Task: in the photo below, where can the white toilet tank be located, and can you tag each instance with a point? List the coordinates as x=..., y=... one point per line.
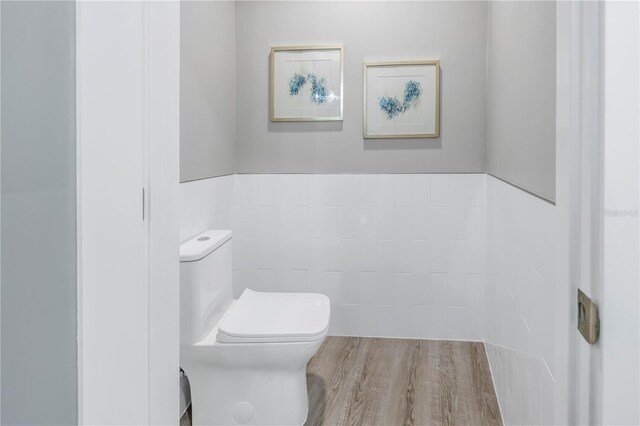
x=206, y=283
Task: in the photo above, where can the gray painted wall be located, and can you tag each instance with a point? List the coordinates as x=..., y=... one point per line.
x=454, y=32
x=39, y=362
x=207, y=89
x=521, y=97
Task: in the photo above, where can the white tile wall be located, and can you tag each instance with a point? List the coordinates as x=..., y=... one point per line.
x=205, y=204
x=519, y=315
x=399, y=255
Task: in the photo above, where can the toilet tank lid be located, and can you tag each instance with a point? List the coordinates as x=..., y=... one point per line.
x=201, y=245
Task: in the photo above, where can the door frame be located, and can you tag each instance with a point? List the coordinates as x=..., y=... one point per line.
x=619, y=390
x=576, y=39
x=597, y=174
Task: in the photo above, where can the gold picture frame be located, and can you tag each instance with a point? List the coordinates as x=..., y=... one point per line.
x=393, y=108
x=318, y=97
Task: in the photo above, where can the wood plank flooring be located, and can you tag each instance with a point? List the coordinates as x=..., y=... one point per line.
x=388, y=382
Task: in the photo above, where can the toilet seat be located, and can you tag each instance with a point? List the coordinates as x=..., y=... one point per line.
x=260, y=317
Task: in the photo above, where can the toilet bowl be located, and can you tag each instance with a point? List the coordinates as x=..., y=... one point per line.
x=246, y=358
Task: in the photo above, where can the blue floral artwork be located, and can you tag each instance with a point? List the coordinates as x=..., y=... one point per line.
x=296, y=83
x=392, y=106
x=318, y=87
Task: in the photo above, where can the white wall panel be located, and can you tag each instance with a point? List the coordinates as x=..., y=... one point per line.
x=519, y=300
x=205, y=204
x=38, y=199
x=399, y=255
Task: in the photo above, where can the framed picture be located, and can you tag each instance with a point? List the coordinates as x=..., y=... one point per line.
x=306, y=83
x=402, y=100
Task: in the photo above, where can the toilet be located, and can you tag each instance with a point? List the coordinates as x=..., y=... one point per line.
x=246, y=359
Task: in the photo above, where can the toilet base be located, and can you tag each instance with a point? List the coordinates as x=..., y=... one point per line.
x=253, y=384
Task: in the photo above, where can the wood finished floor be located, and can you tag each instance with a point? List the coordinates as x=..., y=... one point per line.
x=370, y=381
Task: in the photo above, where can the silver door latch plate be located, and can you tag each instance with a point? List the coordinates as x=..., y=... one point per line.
x=588, y=321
